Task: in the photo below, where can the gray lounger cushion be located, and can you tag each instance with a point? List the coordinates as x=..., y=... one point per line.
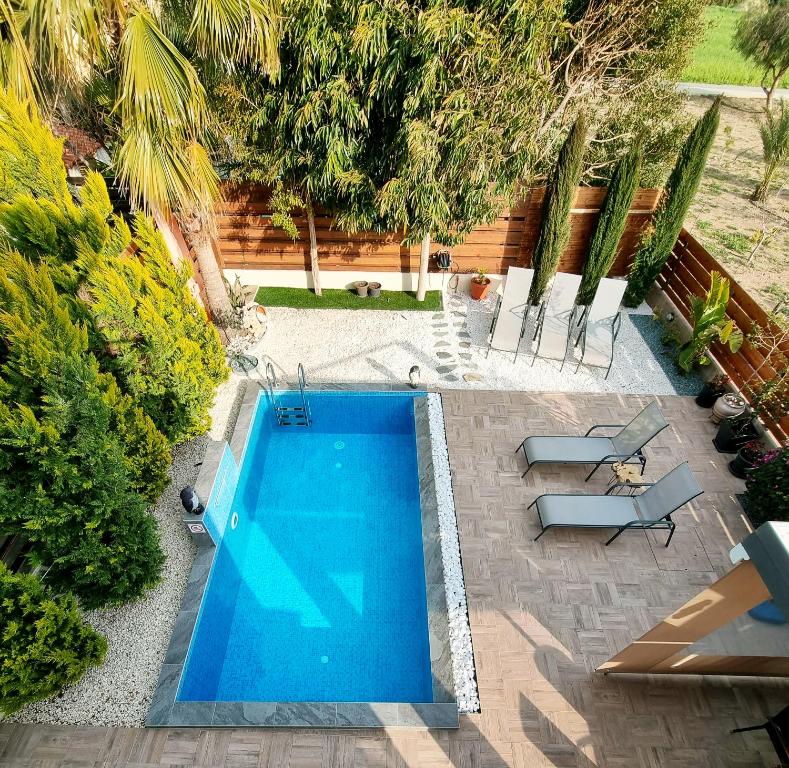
x=569, y=449
x=587, y=511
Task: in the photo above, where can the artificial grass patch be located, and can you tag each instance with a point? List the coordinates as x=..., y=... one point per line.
x=341, y=298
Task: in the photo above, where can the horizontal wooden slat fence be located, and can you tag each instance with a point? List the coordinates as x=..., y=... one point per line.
x=688, y=272
x=248, y=240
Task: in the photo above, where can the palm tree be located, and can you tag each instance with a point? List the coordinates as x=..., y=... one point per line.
x=774, y=130
x=138, y=66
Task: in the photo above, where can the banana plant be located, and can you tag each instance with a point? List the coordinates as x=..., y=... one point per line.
x=710, y=324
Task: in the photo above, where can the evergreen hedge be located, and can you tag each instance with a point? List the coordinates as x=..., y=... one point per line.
x=555, y=229
x=44, y=642
x=78, y=461
x=611, y=224
x=667, y=223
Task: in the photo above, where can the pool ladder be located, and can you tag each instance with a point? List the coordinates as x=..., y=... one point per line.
x=289, y=415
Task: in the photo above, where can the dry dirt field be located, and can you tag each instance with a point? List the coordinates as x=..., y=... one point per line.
x=724, y=219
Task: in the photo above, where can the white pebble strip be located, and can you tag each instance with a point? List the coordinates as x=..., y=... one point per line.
x=459, y=629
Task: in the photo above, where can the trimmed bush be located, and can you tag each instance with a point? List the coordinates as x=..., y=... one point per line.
x=667, y=223
x=45, y=644
x=767, y=488
x=555, y=229
x=611, y=224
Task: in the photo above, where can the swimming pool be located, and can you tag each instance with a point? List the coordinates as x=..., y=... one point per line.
x=317, y=592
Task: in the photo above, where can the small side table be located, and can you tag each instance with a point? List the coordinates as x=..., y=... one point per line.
x=624, y=474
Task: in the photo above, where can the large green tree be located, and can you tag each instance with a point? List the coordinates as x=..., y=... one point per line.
x=611, y=224
x=559, y=197
x=425, y=116
x=679, y=192
x=763, y=38
x=136, y=72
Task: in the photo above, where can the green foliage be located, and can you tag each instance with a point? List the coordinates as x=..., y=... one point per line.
x=31, y=158
x=767, y=488
x=77, y=459
x=152, y=336
x=611, y=224
x=715, y=56
x=144, y=325
x=45, y=644
x=559, y=196
x=763, y=38
x=667, y=223
x=774, y=132
x=710, y=324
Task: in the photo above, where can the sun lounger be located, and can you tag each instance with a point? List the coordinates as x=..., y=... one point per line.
x=650, y=509
x=556, y=317
x=512, y=307
x=601, y=327
x=626, y=445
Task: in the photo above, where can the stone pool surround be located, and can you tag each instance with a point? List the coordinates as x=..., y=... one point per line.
x=441, y=713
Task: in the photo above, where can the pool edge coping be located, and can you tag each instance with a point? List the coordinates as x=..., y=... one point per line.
x=164, y=710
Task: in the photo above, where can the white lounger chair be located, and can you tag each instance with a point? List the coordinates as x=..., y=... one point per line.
x=512, y=309
x=601, y=327
x=651, y=509
x=556, y=317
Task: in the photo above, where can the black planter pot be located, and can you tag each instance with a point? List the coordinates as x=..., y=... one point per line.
x=741, y=465
x=707, y=397
x=733, y=434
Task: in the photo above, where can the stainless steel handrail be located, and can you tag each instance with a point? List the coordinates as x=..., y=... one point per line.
x=302, y=386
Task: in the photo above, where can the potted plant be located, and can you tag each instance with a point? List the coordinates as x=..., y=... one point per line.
x=374, y=290
x=748, y=456
x=727, y=407
x=710, y=324
x=712, y=390
x=361, y=287
x=479, y=285
x=735, y=431
x=767, y=488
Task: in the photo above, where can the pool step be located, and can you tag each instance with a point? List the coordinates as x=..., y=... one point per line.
x=292, y=416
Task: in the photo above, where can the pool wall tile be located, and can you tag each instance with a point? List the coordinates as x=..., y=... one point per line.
x=181, y=637
x=304, y=714
x=164, y=695
x=427, y=715
x=246, y=417
x=240, y=713
x=196, y=713
x=437, y=618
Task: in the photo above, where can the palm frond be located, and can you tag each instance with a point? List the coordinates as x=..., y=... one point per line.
x=167, y=173
x=16, y=69
x=159, y=87
x=239, y=31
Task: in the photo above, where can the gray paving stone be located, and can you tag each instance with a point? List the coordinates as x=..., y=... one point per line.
x=441, y=344
x=444, y=355
x=446, y=368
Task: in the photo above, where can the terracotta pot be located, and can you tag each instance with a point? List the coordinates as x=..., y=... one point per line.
x=478, y=290
x=361, y=287
x=725, y=407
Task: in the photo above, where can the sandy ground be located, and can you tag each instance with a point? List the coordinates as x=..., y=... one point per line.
x=722, y=216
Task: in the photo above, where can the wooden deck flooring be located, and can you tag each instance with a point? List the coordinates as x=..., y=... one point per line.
x=543, y=616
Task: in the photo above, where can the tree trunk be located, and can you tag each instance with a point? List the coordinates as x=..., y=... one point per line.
x=424, y=262
x=218, y=300
x=314, y=265
x=169, y=236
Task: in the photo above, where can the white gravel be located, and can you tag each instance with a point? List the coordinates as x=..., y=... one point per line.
x=119, y=692
x=378, y=347
x=457, y=609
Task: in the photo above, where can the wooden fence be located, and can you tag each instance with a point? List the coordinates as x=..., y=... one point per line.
x=688, y=272
x=248, y=240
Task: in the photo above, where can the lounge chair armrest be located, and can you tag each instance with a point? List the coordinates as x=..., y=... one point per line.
x=614, y=486
x=602, y=426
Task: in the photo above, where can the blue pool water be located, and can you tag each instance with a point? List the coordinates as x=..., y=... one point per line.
x=318, y=593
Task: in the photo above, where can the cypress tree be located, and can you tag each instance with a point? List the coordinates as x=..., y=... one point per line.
x=45, y=643
x=555, y=229
x=680, y=190
x=611, y=224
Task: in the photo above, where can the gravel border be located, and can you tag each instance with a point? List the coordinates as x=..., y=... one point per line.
x=459, y=630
